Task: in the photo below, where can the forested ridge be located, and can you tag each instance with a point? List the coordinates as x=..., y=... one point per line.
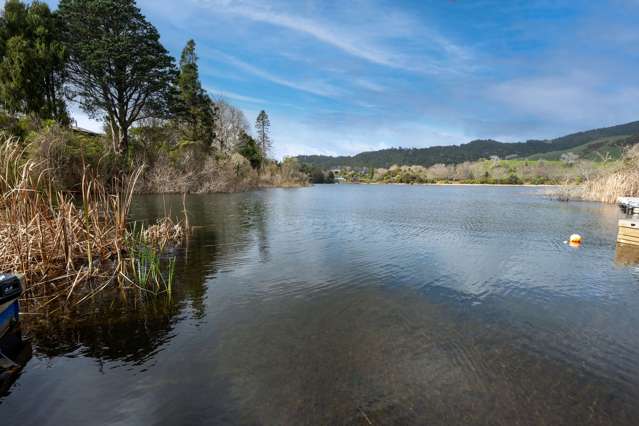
x=609, y=137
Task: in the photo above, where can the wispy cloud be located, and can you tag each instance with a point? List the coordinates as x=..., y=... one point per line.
x=315, y=87
x=257, y=12
x=295, y=137
x=575, y=101
x=341, y=77
x=355, y=40
x=236, y=96
x=369, y=85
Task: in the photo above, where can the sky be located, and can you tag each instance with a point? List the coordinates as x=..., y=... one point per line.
x=342, y=77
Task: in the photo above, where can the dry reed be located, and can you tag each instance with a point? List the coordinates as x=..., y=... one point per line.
x=615, y=182
x=68, y=247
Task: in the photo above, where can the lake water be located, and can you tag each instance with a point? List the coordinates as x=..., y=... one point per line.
x=349, y=304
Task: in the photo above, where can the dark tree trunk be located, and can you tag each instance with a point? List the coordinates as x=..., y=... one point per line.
x=124, y=141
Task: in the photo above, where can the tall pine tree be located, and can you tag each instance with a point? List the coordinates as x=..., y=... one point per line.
x=263, y=129
x=196, y=111
x=118, y=69
x=32, y=69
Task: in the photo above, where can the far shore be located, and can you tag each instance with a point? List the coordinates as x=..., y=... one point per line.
x=541, y=185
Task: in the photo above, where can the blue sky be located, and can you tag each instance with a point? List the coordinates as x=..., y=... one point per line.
x=341, y=77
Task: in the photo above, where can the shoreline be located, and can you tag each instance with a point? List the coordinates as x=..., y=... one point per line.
x=541, y=185
x=258, y=188
x=294, y=186
x=229, y=191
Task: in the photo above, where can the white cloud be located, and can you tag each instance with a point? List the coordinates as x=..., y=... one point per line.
x=316, y=87
x=357, y=40
x=571, y=99
x=310, y=27
x=369, y=85
x=298, y=136
x=236, y=96
x=505, y=80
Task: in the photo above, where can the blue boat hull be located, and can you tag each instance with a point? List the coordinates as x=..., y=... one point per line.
x=8, y=315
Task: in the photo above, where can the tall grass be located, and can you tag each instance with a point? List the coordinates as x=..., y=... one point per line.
x=613, y=182
x=71, y=246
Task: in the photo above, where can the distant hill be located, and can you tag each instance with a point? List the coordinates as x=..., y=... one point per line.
x=586, y=144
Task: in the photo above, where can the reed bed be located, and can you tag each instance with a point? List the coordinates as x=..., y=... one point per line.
x=68, y=246
x=620, y=180
x=608, y=188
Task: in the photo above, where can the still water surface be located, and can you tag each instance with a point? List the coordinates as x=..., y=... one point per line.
x=358, y=305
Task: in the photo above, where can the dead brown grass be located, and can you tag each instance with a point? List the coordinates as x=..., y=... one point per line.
x=606, y=187
x=67, y=247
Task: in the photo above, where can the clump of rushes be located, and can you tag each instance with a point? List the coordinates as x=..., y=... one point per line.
x=149, y=269
x=72, y=246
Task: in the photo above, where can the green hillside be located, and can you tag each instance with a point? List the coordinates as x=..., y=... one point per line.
x=586, y=144
x=595, y=150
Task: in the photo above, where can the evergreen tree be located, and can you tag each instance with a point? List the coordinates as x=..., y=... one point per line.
x=117, y=66
x=250, y=150
x=263, y=128
x=32, y=69
x=195, y=108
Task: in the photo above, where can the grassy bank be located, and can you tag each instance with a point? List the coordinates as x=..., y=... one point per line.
x=72, y=245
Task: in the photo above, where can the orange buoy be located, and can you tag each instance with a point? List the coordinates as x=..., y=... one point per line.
x=575, y=239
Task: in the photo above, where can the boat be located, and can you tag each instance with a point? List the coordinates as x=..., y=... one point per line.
x=10, y=291
x=15, y=351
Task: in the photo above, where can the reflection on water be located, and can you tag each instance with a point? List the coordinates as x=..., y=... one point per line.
x=627, y=255
x=356, y=305
x=15, y=353
x=417, y=364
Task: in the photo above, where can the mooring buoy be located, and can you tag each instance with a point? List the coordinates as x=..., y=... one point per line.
x=575, y=239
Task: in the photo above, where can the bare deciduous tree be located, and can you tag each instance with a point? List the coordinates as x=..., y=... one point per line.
x=229, y=125
x=438, y=171
x=569, y=158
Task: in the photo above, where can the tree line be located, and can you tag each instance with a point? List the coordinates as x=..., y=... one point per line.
x=611, y=139
x=107, y=58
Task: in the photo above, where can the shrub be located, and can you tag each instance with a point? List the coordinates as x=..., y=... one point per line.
x=67, y=154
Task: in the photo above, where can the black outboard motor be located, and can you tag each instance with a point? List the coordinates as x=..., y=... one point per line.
x=10, y=287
